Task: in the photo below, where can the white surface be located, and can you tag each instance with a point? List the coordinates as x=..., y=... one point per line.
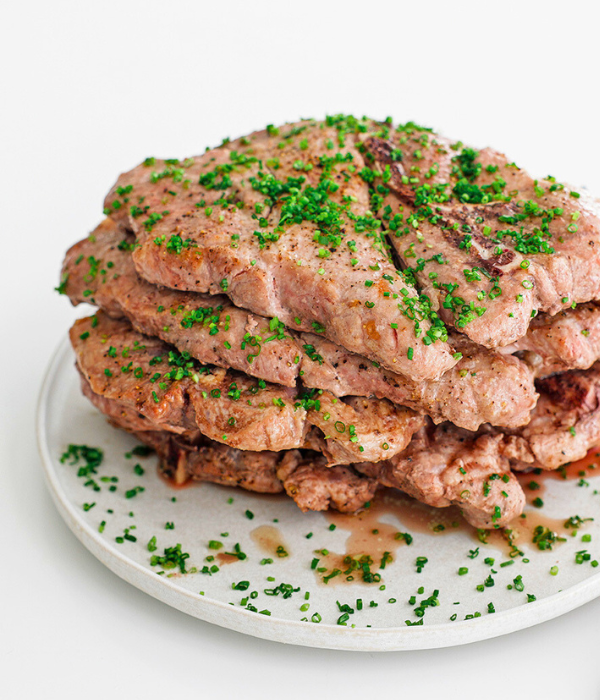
x=207, y=512
x=87, y=90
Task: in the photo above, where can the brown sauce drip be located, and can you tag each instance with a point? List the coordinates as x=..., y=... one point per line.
x=415, y=517
x=224, y=558
x=525, y=526
x=369, y=535
x=269, y=540
x=522, y=530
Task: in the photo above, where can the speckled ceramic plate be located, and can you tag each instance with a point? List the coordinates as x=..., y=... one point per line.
x=277, y=591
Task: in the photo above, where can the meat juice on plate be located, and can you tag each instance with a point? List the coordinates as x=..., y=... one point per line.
x=270, y=540
x=372, y=542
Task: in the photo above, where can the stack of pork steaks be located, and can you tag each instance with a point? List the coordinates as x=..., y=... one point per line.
x=327, y=307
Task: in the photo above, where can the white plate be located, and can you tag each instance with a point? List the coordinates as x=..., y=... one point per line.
x=202, y=512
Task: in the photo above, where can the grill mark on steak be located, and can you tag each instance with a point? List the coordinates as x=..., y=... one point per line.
x=381, y=151
x=566, y=421
x=572, y=272
x=569, y=391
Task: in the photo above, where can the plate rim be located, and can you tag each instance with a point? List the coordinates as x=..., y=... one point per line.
x=325, y=636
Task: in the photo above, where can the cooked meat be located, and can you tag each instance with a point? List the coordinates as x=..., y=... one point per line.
x=177, y=394
x=280, y=221
x=191, y=455
x=99, y=270
x=304, y=477
x=481, y=387
x=123, y=415
x=205, y=460
x=315, y=486
x=569, y=340
x=491, y=244
x=330, y=306
x=566, y=421
x=359, y=426
x=444, y=465
x=209, y=461
x=429, y=470
x=564, y=425
x=180, y=395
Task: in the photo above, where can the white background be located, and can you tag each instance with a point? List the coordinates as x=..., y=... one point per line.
x=88, y=89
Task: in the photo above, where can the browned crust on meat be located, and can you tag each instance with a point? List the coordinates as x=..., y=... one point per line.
x=180, y=395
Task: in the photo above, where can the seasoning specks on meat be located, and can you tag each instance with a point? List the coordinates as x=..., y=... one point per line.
x=287, y=232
